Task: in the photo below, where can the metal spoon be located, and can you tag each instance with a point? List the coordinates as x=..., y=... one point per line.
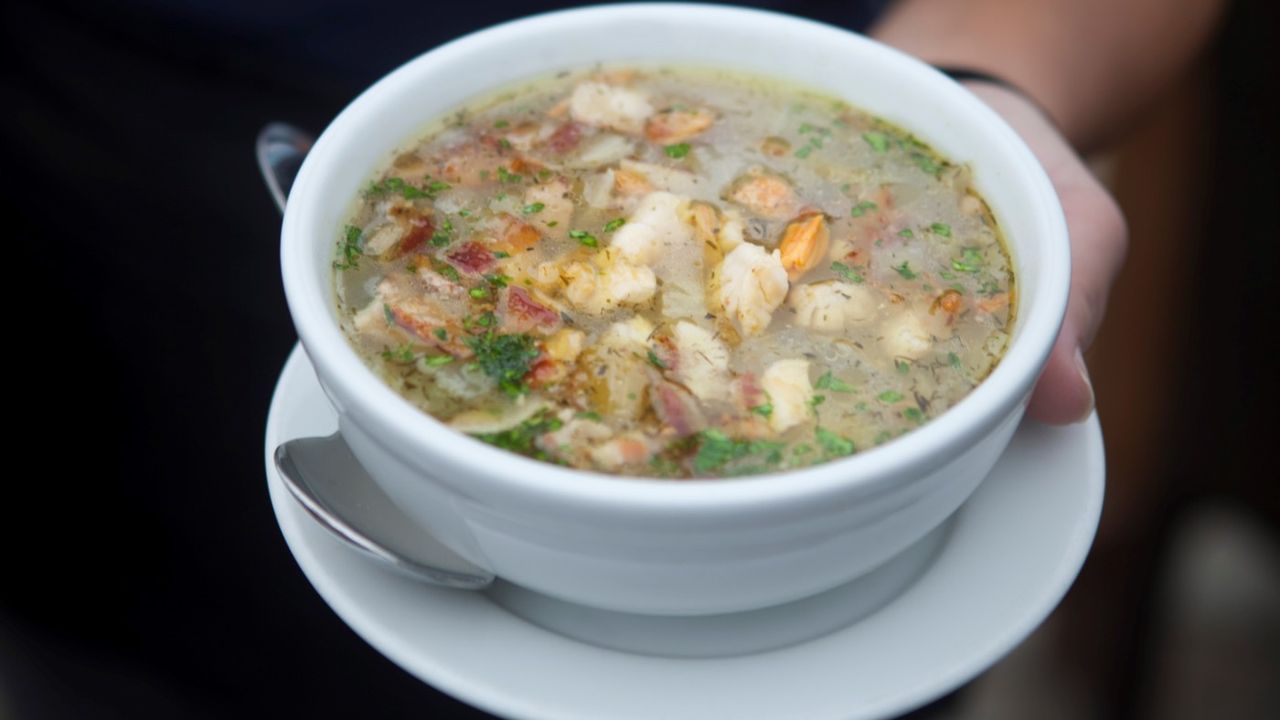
x=322, y=473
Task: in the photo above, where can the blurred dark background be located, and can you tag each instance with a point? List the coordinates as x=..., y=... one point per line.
x=144, y=572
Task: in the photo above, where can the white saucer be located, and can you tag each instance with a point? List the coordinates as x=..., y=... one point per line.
x=1009, y=556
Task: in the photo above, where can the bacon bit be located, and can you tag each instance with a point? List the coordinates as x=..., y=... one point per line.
x=630, y=182
x=421, y=228
x=516, y=235
x=521, y=313
x=804, y=245
x=774, y=146
x=545, y=371
x=566, y=137
x=416, y=317
x=747, y=391
x=522, y=165
x=950, y=302
x=471, y=257
x=677, y=409
x=993, y=303
x=676, y=126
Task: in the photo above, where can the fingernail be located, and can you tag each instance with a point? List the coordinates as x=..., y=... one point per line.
x=1084, y=377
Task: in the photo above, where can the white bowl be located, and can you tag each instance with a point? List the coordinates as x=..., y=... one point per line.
x=653, y=546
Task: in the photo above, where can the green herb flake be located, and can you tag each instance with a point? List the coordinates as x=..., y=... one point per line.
x=589, y=415
x=890, y=396
x=878, y=141
x=817, y=400
x=479, y=293
x=906, y=233
x=505, y=358
x=970, y=261
x=614, y=224
x=803, y=151
x=953, y=360
x=506, y=176
x=716, y=450
x=386, y=313
x=350, y=248
x=914, y=415
x=501, y=124
x=833, y=445
x=532, y=208
x=402, y=354
x=926, y=163
x=585, y=238
x=523, y=437
x=656, y=361
x=832, y=383
x=763, y=410
x=438, y=360
x=846, y=272
x=861, y=208
x=905, y=270
x=446, y=270
x=498, y=280
x=504, y=143
x=942, y=229
x=502, y=254
x=902, y=366
x=442, y=334
x=677, y=151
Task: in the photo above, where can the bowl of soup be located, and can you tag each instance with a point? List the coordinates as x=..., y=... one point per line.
x=674, y=309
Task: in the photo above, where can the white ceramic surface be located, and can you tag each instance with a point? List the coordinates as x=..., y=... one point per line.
x=675, y=547
x=1008, y=557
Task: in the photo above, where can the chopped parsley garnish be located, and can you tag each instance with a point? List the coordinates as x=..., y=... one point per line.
x=914, y=415
x=502, y=254
x=505, y=358
x=906, y=233
x=585, y=238
x=970, y=261
x=763, y=409
x=402, y=354
x=861, y=208
x=942, y=229
x=479, y=293
x=817, y=400
x=878, y=141
x=846, y=272
x=905, y=270
x=523, y=437
x=446, y=270
x=832, y=383
x=397, y=186
x=716, y=450
x=350, y=249
x=614, y=224
x=532, y=208
x=386, y=313
x=441, y=236
x=677, y=151
x=506, y=176
x=442, y=334
x=833, y=445
x=903, y=366
x=589, y=415
x=656, y=361
x=498, y=280
x=501, y=124
x=990, y=287
x=504, y=143
x=926, y=163
x=890, y=396
x=803, y=151
x=953, y=360
x=438, y=360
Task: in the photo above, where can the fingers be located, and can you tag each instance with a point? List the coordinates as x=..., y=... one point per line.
x=1099, y=238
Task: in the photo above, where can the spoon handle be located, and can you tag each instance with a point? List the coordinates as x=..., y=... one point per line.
x=335, y=489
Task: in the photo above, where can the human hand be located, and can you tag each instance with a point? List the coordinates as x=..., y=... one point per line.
x=1099, y=238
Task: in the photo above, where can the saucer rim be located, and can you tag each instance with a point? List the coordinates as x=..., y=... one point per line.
x=436, y=672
